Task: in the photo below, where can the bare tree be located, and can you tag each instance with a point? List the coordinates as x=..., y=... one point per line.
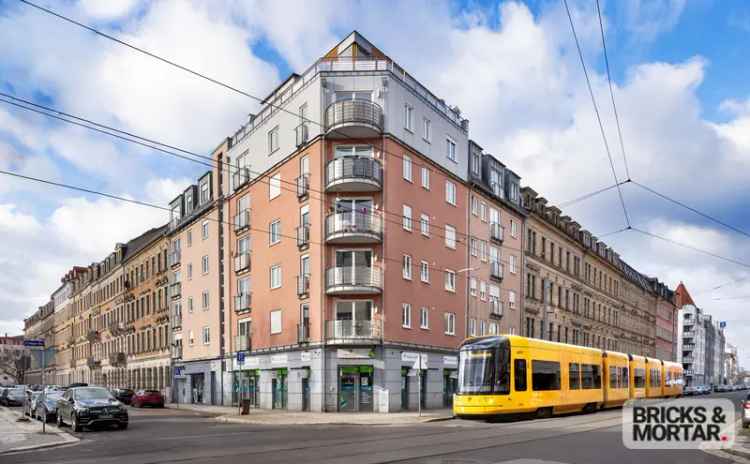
x=15, y=363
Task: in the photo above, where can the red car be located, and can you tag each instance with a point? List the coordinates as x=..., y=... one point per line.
x=147, y=398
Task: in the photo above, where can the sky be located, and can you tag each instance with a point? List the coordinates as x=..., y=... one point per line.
x=680, y=80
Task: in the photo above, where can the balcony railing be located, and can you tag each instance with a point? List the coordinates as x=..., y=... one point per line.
x=497, y=232
x=242, y=343
x=354, y=227
x=242, y=262
x=93, y=336
x=174, y=257
x=303, y=186
x=117, y=359
x=303, y=134
x=303, y=236
x=303, y=285
x=352, y=173
x=177, y=352
x=303, y=332
x=240, y=177
x=242, y=302
x=352, y=280
x=364, y=115
x=175, y=290
x=496, y=270
x=496, y=308
x=242, y=220
x=93, y=363
x=352, y=330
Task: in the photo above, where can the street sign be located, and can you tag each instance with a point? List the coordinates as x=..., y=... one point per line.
x=34, y=343
x=240, y=357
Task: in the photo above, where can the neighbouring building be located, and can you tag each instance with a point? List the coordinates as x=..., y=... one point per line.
x=11, y=349
x=41, y=326
x=730, y=364
x=666, y=320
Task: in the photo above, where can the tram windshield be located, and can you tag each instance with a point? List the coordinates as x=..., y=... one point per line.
x=484, y=367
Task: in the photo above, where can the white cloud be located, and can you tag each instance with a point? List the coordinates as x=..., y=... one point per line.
x=107, y=10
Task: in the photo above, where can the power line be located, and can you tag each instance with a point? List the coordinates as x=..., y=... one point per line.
x=591, y=194
x=598, y=116
x=690, y=247
x=612, y=93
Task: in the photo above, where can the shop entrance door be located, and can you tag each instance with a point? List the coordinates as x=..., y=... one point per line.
x=348, y=386
x=404, y=388
x=365, y=388
x=305, y=394
x=450, y=383
x=279, y=388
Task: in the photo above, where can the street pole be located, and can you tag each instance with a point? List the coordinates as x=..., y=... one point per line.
x=419, y=387
x=44, y=419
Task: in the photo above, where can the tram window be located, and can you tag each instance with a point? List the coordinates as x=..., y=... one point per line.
x=574, y=376
x=520, y=374
x=639, y=378
x=545, y=375
x=587, y=376
x=624, y=379
x=597, y=376
x=613, y=375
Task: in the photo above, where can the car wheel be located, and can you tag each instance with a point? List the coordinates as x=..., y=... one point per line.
x=59, y=420
x=74, y=424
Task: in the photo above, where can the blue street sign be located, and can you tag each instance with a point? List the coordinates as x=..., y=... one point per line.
x=240, y=357
x=722, y=324
x=34, y=342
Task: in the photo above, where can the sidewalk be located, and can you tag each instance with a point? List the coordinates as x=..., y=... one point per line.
x=21, y=436
x=279, y=417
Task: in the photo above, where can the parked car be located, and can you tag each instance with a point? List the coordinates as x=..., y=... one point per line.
x=30, y=404
x=3, y=393
x=46, y=405
x=689, y=391
x=88, y=406
x=15, y=396
x=148, y=398
x=745, y=411
x=124, y=395
x=78, y=384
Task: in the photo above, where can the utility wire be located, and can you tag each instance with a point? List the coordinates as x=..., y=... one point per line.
x=598, y=116
x=591, y=194
x=612, y=93
x=690, y=247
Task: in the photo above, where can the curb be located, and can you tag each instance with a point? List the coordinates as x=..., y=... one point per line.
x=68, y=440
x=238, y=420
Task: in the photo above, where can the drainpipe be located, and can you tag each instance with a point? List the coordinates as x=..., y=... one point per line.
x=467, y=246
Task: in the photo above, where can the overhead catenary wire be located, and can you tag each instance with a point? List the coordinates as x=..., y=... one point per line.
x=691, y=247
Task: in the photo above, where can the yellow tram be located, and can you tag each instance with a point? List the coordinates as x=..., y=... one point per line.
x=512, y=374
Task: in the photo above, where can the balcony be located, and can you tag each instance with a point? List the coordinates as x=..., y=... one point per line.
x=353, y=118
x=93, y=363
x=303, y=186
x=242, y=220
x=242, y=262
x=303, y=134
x=496, y=309
x=497, y=232
x=354, y=174
x=353, y=280
x=242, y=302
x=688, y=346
x=354, y=227
x=118, y=359
x=174, y=258
x=367, y=331
x=93, y=336
x=242, y=343
x=73, y=363
x=175, y=290
x=177, y=321
x=240, y=177
x=303, y=332
x=496, y=270
x=687, y=359
x=177, y=352
x=303, y=286
x=303, y=236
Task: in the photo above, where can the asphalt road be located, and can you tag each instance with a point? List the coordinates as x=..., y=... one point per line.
x=169, y=436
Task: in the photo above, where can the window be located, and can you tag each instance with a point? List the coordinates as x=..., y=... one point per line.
x=190, y=304
x=474, y=206
x=189, y=238
x=624, y=378
x=513, y=229
x=426, y=130
x=424, y=318
x=205, y=300
x=206, y=335
x=276, y=321
x=512, y=264
x=204, y=265
x=191, y=338
x=483, y=290
x=406, y=315
x=424, y=272
x=205, y=191
x=450, y=192
x=545, y=375
x=409, y=117
x=474, y=246
x=425, y=178
x=574, y=376
x=190, y=271
x=274, y=186
x=511, y=299
x=424, y=225
x=204, y=230
x=472, y=327
x=519, y=374
x=613, y=376
x=450, y=236
x=590, y=376
x=406, y=168
x=406, y=267
x=407, y=218
x=274, y=232
x=473, y=286
x=275, y=276
x=450, y=281
x=483, y=211
x=482, y=328
x=450, y=323
x=450, y=149
x=273, y=140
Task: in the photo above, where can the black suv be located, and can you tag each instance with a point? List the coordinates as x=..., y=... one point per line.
x=124, y=395
x=87, y=406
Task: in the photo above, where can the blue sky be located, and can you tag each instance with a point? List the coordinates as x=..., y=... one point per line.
x=681, y=82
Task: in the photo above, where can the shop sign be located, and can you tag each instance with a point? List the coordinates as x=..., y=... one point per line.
x=353, y=353
x=450, y=361
x=305, y=356
x=409, y=356
x=279, y=359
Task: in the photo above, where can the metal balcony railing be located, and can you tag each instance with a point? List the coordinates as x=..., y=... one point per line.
x=93, y=336
x=174, y=257
x=242, y=343
x=355, y=226
x=303, y=332
x=117, y=359
x=302, y=134
x=303, y=186
x=177, y=352
x=353, y=280
x=242, y=262
x=175, y=290
x=496, y=308
x=497, y=232
x=93, y=363
x=242, y=302
x=303, y=236
x=303, y=285
x=347, y=330
x=240, y=177
x=496, y=270
x=354, y=112
x=242, y=220
x=354, y=170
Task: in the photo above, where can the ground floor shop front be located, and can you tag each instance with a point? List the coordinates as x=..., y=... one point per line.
x=198, y=382
x=343, y=379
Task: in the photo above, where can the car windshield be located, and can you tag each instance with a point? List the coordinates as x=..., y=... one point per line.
x=53, y=395
x=92, y=394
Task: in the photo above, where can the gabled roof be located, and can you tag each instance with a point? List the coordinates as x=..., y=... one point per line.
x=682, y=296
x=142, y=241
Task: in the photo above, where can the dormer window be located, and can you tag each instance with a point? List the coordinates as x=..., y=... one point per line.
x=205, y=191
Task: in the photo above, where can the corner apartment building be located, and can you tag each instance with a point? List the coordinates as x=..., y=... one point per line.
x=578, y=290
x=349, y=248
x=666, y=320
x=64, y=340
x=196, y=260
